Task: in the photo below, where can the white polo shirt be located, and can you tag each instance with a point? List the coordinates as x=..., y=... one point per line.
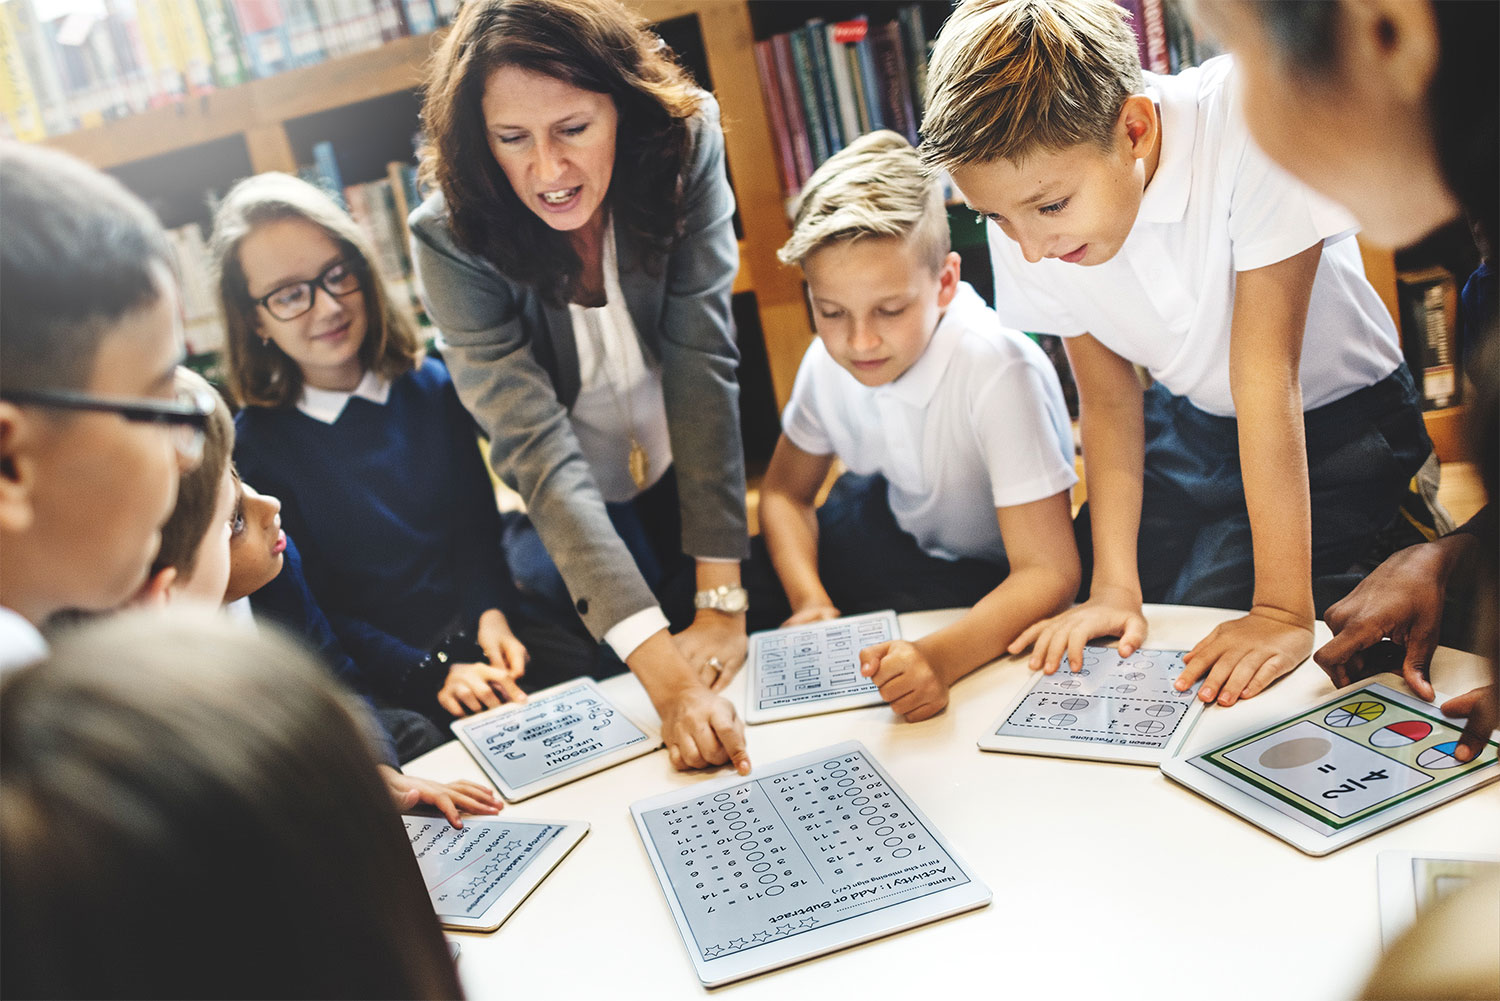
x=977, y=422
x=1215, y=206
x=20, y=643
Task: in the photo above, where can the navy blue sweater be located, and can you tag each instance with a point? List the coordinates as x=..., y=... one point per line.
x=288, y=601
x=395, y=514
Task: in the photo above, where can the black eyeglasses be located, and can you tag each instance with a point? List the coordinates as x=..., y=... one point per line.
x=290, y=301
x=186, y=416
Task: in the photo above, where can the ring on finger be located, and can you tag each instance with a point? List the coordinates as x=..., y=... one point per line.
x=716, y=664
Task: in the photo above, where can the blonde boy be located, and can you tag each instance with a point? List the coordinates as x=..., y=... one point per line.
x=917, y=389
x=1141, y=222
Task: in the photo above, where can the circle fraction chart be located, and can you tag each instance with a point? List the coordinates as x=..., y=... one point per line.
x=1354, y=714
x=1408, y=731
x=1440, y=756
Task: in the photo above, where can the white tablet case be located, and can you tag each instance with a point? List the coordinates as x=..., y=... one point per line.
x=1413, y=881
x=478, y=875
x=559, y=734
x=1112, y=709
x=806, y=856
x=1366, y=759
x=811, y=669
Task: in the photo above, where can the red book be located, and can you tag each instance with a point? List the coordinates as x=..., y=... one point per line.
x=796, y=122
x=786, y=163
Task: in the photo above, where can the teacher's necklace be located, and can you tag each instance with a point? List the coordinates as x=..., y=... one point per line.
x=637, y=462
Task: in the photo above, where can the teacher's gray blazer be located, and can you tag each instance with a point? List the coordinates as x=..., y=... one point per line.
x=515, y=365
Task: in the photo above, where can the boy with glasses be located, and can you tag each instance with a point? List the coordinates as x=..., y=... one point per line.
x=93, y=433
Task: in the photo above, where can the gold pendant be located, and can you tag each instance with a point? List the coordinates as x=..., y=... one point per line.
x=640, y=466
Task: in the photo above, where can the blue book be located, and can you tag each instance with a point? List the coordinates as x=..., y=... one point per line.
x=807, y=87
x=871, y=81
x=327, y=167
x=818, y=59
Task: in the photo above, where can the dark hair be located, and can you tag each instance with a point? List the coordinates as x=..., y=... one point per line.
x=596, y=45
x=261, y=375
x=188, y=809
x=197, y=489
x=1463, y=103
x=78, y=253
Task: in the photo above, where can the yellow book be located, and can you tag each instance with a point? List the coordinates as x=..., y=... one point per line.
x=192, y=41
x=18, y=105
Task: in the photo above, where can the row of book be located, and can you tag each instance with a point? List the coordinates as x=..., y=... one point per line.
x=827, y=83
x=379, y=207
x=70, y=64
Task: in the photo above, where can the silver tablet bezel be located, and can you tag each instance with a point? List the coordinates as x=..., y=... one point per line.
x=1396, y=873
x=588, y=766
x=536, y=870
x=1086, y=750
x=816, y=707
x=1244, y=800
x=830, y=938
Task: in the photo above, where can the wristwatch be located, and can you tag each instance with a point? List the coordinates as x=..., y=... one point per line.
x=727, y=598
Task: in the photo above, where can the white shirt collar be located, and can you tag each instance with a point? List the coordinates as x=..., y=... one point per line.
x=20, y=643
x=1166, y=197
x=327, y=405
x=917, y=384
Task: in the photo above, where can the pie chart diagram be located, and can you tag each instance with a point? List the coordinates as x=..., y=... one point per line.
x=1399, y=734
x=1440, y=756
x=1354, y=713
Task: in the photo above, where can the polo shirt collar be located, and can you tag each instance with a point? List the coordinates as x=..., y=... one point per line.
x=917, y=385
x=327, y=405
x=20, y=643
x=1166, y=197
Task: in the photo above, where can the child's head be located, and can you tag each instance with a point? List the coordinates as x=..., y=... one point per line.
x=302, y=301
x=92, y=432
x=1036, y=109
x=193, y=807
x=1390, y=108
x=871, y=234
x=195, y=540
x=256, y=541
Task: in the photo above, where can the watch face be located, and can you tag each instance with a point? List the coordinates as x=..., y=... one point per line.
x=735, y=600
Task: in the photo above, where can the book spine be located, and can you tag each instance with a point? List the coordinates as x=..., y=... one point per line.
x=807, y=87
x=765, y=69
x=41, y=67
x=190, y=42
x=421, y=16
x=843, y=85
x=864, y=50
x=1156, y=36
x=447, y=10
x=914, y=40
x=817, y=59
x=262, y=25
x=326, y=165
x=791, y=104
x=331, y=27
x=895, y=89
x=304, y=34
x=1137, y=25
x=224, y=42
x=18, y=100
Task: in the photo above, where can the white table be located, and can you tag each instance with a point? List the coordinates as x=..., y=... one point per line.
x=1109, y=880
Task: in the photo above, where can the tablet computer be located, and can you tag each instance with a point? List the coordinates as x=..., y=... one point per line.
x=1365, y=759
x=1112, y=708
x=478, y=875
x=802, y=857
x=814, y=668
x=1413, y=881
x=559, y=734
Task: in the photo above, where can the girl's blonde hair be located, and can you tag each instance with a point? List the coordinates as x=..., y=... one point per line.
x=261, y=375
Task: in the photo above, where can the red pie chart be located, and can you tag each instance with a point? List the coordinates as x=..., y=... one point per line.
x=1405, y=732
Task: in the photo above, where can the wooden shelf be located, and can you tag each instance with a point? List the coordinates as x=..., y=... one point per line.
x=1446, y=428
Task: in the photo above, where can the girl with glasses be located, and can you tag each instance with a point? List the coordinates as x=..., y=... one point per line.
x=375, y=461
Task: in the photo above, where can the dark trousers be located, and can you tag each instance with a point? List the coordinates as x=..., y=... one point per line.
x=1194, y=545
x=651, y=528
x=868, y=563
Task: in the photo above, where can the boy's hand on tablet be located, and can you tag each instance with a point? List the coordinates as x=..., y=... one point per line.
x=1243, y=656
x=701, y=730
x=1482, y=707
x=1401, y=600
x=472, y=688
x=912, y=686
x=501, y=647
x=812, y=613
x=450, y=798
x=1110, y=611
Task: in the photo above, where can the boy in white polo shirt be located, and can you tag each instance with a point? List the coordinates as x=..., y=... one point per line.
x=917, y=389
x=1141, y=222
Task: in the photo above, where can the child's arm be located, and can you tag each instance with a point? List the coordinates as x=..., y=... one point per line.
x=789, y=523
x=1243, y=656
x=914, y=677
x=1112, y=420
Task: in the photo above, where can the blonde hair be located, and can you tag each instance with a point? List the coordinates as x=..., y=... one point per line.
x=260, y=375
x=876, y=186
x=1009, y=78
x=198, y=490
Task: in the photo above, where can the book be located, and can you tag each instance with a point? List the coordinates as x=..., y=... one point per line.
x=781, y=138
x=864, y=51
x=326, y=171
x=791, y=102
x=20, y=114
x=890, y=65
x=1428, y=302
x=843, y=85
x=1155, y=29
x=914, y=35
x=818, y=60
x=812, y=105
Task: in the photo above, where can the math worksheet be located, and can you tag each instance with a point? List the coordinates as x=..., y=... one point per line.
x=805, y=670
x=813, y=854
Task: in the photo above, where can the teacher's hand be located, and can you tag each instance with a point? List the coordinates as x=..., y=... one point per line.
x=715, y=646
x=700, y=729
